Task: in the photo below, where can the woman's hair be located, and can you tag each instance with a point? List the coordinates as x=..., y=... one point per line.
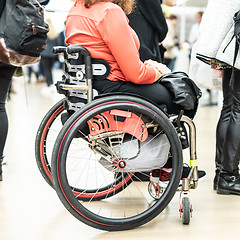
x=126, y=5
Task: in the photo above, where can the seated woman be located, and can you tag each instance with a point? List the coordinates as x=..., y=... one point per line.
x=102, y=27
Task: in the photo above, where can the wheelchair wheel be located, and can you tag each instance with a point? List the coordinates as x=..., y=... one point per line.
x=45, y=139
x=88, y=154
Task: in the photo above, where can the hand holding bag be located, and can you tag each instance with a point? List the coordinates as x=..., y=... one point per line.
x=184, y=91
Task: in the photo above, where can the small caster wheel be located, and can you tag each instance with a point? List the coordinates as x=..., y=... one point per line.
x=153, y=192
x=186, y=210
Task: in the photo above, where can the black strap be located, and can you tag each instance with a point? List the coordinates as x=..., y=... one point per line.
x=234, y=61
x=95, y=61
x=2, y=5
x=235, y=52
x=236, y=34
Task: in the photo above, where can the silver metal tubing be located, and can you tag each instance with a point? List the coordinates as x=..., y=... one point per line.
x=73, y=87
x=192, y=135
x=193, y=154
x=185, y=184
x=104, y=135
x=89, y=91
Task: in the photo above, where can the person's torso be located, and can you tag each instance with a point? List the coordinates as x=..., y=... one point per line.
x=81, y=29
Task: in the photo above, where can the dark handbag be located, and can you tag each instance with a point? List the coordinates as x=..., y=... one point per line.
x=184, y=90
x=25, y=33
x=236, y=34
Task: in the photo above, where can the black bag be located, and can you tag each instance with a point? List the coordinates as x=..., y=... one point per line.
x=25, y=33
x=184, y=91
x=236, y=34
x=236, y=19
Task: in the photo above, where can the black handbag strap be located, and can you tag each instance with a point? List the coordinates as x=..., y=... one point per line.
x=2, y=5
x=236, y=19
x=235, y=53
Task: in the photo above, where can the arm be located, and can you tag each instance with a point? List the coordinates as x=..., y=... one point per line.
x=117, y=35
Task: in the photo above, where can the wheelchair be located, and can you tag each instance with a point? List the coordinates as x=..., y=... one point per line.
x=99, y=153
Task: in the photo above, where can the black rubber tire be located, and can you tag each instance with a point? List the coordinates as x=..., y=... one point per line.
x=186, y=210
x=43, y=157
x=60, y=157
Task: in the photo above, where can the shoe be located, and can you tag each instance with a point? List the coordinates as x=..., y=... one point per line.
x=187, y=169
x=165, y=176
x=215, y=180
x=4, y=161
x=154, y=175
x=161, y=176
x=228, y=184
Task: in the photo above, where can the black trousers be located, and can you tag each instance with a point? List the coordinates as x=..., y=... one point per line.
x=228, y=127
x=47, y=67
x=155, y=92
x=6, y=73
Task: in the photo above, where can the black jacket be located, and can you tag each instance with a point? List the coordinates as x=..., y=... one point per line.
x=149, y=23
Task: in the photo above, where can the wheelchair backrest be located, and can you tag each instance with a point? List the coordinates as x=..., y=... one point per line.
x=80, y=69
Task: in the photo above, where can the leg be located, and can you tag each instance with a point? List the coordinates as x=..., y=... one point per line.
x=154, y=92
x=29, y=70
x=224, y=117
x=47, y=65
x=229, y=181
x=232, y=141
x=6, y=73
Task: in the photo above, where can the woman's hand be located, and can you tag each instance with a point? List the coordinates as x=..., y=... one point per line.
x=160, y=68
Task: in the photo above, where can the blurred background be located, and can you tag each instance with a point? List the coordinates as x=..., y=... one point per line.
x=31, y=210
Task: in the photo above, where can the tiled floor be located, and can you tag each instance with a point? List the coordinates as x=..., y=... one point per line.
x=31, y=210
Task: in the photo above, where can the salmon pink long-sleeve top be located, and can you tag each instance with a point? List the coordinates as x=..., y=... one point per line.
x=104, y=30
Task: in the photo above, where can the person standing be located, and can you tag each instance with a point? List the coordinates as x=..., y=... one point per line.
x=171, y=42
x=6, y=74
x=148, y=21
x=48, y=59
x=194, y=31
x=216, y=47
